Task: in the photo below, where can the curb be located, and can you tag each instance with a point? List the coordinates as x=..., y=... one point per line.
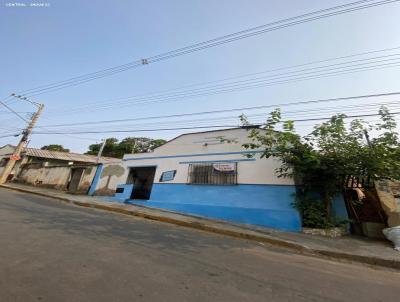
x=374, y=261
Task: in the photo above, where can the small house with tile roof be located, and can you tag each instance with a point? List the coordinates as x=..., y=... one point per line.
x=67, y=171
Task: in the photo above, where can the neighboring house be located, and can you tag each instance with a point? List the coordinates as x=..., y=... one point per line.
x=5, y=153
x=201, y=174
x=59, y=170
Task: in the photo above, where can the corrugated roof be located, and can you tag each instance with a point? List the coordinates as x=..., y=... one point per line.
x=67, y=156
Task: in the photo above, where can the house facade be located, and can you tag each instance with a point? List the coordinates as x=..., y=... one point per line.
x=5, y=152
x=208, y=174
x=66, y=171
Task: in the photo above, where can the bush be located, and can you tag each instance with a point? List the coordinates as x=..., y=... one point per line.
x=313, y=214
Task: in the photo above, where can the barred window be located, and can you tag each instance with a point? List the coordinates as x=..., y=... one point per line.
x=213, y=174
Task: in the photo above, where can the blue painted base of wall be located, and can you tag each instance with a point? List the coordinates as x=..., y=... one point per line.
x=263, y=205
x=339, y=207
x=125, y=194
x=95, y=181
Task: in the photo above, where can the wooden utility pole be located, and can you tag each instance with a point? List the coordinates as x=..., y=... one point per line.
x=21, y=145
x=101, y=150
x=367, y=138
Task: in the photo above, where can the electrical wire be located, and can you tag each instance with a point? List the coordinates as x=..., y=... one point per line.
x=232, y=109
x=204, y=127
x=11, y=135
x=276, y=79
x=253, y=119
x=247, y=75
x=222, y=119
x=14, y=112
x=312, y=16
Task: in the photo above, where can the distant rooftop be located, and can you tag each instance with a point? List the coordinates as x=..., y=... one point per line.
x=68, y=156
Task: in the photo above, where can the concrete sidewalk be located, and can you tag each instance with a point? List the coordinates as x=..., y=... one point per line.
x=347, y=248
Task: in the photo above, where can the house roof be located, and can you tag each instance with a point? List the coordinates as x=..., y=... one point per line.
x=8, y=145
x=209, y=131
x=67, y=156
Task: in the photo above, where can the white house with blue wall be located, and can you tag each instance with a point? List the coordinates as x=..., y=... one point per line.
x=202, y=174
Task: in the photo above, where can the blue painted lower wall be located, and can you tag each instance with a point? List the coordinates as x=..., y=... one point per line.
x=263, y=205
x=95, y=181
x=339, y=207
x=125, y=194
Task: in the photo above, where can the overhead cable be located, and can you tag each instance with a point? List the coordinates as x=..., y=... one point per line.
x=258, y=30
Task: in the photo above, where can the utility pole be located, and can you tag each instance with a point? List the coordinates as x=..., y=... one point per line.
x=101, y=150
x=22, y=143
x=367, y=138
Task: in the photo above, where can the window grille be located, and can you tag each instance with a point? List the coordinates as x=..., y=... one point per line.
x=213, y=174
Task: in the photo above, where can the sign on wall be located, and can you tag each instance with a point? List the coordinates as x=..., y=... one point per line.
x=168, y=175
x=228, y=167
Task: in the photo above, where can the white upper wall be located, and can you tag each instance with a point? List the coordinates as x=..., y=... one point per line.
x=180, y=152
x=206, y=142
x=200, y=143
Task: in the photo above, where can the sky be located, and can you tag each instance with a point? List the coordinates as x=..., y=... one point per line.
x=64, y=39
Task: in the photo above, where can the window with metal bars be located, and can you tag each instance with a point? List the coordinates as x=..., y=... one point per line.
x=213, y=174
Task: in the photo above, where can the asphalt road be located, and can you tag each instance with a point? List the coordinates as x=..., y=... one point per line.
x=50, y=251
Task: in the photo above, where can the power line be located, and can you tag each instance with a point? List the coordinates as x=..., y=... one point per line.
x=250, y=74
x=303, y=112
x=231, y=110
x=14, y=112
x=285, y=114
x=263, y=27
x=312, y=16
x=234, y=118
x=253, y=119
x=204, y=127
x=276, y=79
x=160, y=59
x=7, y=112
x=11, y=135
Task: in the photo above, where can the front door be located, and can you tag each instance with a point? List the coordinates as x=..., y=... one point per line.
x=76, y=176
x=142, y=179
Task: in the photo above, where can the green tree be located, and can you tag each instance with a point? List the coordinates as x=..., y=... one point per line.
x=128, y=145
x=321, y=160
x=54, y=147
x=109, y=148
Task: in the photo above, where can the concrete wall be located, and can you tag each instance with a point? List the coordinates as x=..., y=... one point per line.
x=53, y=177
x=250, y=171
x=389, y=197
x=263, y=205
x=194, y=148
x=56, y=177
x=108, y=178
x=87, y=179
x=259, y=197
x=205, y=147
x=5, y=152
